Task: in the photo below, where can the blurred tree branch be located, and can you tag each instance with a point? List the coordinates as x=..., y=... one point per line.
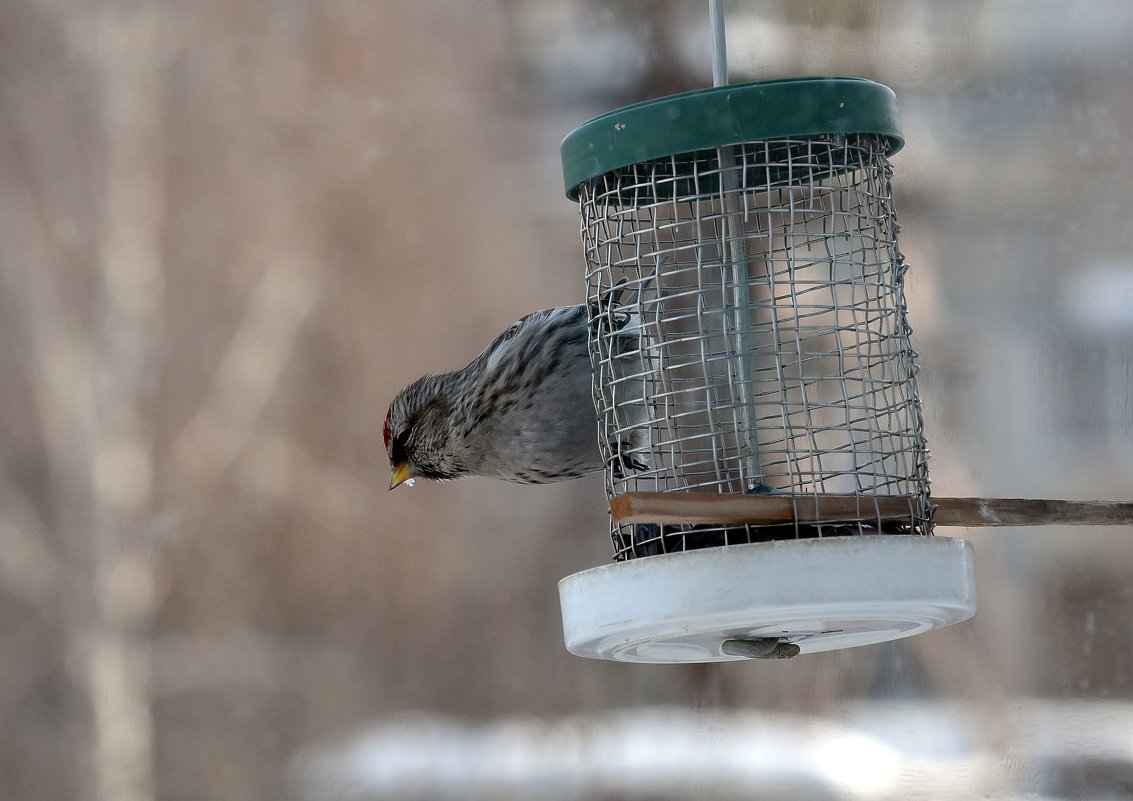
x=94, y=383
x=248, y=373
x=29, y=568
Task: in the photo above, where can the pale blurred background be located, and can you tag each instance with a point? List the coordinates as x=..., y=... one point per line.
x=231, y=230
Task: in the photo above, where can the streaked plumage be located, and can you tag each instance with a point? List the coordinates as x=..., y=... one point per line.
x=522, y=410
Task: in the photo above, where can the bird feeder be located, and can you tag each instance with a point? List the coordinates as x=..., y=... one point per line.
x=767, y=376
x=756, y=386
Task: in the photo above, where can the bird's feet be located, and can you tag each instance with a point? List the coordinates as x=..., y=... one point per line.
x=624, y=462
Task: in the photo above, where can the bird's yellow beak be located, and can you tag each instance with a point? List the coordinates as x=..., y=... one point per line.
x=400, y=475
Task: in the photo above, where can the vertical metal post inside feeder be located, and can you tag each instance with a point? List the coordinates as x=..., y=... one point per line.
x=734, y=271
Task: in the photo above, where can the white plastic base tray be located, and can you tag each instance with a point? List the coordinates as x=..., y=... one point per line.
x=819, y=594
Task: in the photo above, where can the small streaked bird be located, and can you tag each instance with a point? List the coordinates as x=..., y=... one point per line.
x=523, y=410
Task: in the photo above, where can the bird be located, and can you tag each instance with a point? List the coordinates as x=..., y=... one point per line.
x=523, y=410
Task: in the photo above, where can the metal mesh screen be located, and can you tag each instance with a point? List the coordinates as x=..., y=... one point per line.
x=749, y=334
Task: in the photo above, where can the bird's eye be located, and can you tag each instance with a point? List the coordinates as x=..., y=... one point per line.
x=385, y=428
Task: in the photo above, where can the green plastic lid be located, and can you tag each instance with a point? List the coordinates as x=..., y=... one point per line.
x=728, y=115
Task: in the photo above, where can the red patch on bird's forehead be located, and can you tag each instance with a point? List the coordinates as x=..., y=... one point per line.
x=385, y=428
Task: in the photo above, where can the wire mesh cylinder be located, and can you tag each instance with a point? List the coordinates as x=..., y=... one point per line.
x=749, y=333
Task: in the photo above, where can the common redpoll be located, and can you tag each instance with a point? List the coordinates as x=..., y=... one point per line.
x=523, y=410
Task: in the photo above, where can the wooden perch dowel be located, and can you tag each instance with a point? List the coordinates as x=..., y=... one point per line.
x=768, y=510
x=1030, y=512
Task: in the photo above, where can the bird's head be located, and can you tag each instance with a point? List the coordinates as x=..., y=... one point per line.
x=419, y=433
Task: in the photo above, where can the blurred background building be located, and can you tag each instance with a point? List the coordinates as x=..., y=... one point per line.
x=231, y=230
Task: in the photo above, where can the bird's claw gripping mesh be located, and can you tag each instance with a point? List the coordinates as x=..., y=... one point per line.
x=749, y=334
